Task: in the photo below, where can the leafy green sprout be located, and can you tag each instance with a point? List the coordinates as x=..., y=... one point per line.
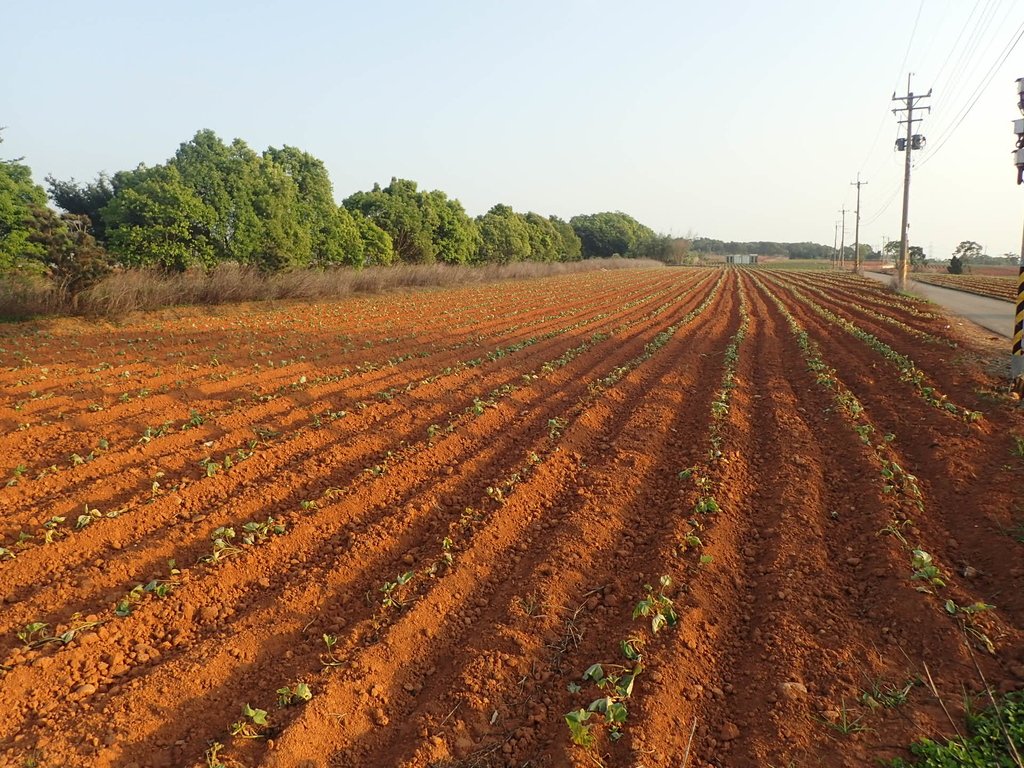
x=845, y=723
x=329, y=658
x=35, y=634
x=925, y=569
x=253, y=719
x=617, y=687
x=706, y=505
x=1018, y=446
x=390, y=590
x=884, y=695
x=658, y=608
x=19, y=471
x=288, y=696
x=87, y=518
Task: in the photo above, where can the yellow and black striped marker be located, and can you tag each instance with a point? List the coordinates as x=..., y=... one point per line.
x=1018, y=330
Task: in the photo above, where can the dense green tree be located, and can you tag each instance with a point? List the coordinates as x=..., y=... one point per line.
x=334, y=234
x=967, y=250
x=225, y=178
x=570, y=248
x=399, y=210
x=545, y=240
x=87, y=200
x=156, y=219
x=455, y=236
x=70, y=254
x=377, y=248
x=282, y=240
x=19, y=196
x=505, y=236
x=609, y=233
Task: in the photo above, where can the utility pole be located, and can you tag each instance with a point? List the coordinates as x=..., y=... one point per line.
x=912, y=141
x=856, y=236
x=842, y=241
x=835, y=242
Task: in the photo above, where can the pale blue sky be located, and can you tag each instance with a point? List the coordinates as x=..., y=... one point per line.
x=735, y=120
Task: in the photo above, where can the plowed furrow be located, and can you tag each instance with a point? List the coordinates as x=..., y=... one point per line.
x=297, y=539
x=148, y=540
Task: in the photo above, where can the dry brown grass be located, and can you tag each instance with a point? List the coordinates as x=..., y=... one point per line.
x=141, y=289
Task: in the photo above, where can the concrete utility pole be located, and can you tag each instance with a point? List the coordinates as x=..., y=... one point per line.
x=912, y=141
x=842, y=241
x=856, y=229
x=835, y=242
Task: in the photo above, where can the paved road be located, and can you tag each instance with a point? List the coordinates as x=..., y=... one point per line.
x=992, y=314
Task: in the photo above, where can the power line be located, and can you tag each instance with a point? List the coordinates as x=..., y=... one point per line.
x=899, y=72
x=979, y=91
x=885, y=206
x=952, y=91
x=957, y=42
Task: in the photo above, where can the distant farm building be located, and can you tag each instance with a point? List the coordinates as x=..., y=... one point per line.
x=741, y=258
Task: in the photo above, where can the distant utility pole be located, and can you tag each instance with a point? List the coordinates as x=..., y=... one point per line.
x=856, y=236
x=835, y=242
x=842, y=241
x=912, y=141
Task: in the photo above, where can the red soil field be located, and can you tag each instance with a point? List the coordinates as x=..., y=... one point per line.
x=404, y=527
x=1004, y=287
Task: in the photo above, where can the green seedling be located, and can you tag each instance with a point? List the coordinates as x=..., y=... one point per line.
x=845, y=723
x=52, y=529
x=706, y=505
x=195, y=420
x=6, y=553
x=255, y=532
x=886, y=695
x=1018, y=447
x=617, y=687
x=250, y=726
x=223, y=548
x=555, y=427
x=87, y=518
x=953, y=609
x=445, y=560
x=34, y=633
x=390, y=589
x=19, y=471
x=925, y=570
x=658, y=607
x=212, y=756
x=288, y=696
x=329, y=659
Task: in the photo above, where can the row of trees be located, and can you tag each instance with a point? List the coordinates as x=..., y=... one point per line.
x=707, y=245
x=214, y=202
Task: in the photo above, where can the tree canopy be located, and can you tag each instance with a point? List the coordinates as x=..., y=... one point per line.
x=609, y=234
x=213, y=202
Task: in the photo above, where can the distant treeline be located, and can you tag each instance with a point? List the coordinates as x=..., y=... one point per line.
x=215, y=203
x=707, y=245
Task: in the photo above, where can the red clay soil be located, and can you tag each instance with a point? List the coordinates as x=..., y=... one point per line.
x=466, y=492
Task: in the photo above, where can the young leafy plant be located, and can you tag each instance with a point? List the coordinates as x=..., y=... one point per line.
x=288, y=696
x=658, y=607
x=254, y=721
x=391, y=590
x=329, y=658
